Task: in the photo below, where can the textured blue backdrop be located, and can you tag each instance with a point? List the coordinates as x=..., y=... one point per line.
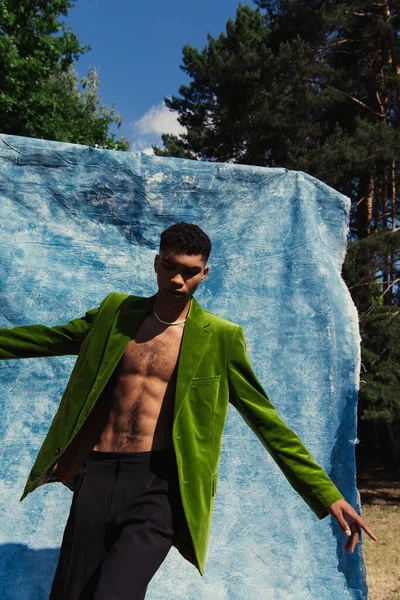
x=78, y=223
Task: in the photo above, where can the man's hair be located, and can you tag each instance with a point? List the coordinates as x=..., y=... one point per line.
x=187, y=238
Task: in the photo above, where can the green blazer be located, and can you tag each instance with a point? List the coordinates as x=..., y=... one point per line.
x=213, y=370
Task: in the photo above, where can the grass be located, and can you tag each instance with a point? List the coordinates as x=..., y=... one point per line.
x=380, y=498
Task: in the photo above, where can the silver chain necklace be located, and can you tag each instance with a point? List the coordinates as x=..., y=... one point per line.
x=167, y=322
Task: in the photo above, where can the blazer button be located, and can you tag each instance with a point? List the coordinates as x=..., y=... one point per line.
x=58, y=450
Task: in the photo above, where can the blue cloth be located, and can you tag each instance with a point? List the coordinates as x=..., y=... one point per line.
x=78, y=223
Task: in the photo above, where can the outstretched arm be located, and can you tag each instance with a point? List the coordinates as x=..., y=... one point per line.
x=34, y=341
x=285, y=447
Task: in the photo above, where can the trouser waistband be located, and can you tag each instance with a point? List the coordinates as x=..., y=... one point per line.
x=132, y=457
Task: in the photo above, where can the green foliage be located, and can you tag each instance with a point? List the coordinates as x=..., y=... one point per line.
x=379, y=308
x=290, y=88
x=227, y=75
x=379, y=398
x=379, y=388
x=175, y=147
x=364, y=271
x=39, y=92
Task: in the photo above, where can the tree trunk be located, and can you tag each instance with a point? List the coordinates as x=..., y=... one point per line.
x=394, y=59
x=364, y=205
x=394, y=224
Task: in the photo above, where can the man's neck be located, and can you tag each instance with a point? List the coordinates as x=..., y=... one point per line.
x=171, y=313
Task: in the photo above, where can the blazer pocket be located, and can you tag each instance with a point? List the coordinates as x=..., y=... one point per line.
x=200, y=404
x=203, y=391
x=211, y=381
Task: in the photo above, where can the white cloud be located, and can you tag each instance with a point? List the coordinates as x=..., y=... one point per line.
x=159, y=119
x=148, y=150
x=148, y=129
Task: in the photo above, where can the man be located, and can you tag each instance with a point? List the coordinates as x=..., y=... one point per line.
x=138, y=433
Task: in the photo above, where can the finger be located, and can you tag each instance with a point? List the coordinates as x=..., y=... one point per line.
x=349, y=541
x=355, y=538
x=345, y=527
x=351, y=544
x=361, y=523
x=368, y=532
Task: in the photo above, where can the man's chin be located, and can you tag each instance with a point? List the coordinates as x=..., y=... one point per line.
x=176, y=298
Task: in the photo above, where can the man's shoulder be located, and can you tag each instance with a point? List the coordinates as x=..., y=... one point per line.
x=117, y=301
x=118, y=297
x=216, y=321
x=220, y=322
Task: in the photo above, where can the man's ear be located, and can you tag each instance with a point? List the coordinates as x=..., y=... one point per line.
x=205, y=273
x=156, y=261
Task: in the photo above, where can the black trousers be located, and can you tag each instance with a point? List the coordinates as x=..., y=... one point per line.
x=120, y=527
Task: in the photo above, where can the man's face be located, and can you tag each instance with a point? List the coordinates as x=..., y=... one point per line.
x=179, y=275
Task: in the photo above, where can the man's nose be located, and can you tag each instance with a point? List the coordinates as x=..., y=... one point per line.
x=178, y=279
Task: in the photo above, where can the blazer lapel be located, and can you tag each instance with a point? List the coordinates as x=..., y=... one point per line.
x=132, y=312
x=196, y=337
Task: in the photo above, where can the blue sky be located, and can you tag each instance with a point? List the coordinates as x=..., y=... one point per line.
x=137, y=50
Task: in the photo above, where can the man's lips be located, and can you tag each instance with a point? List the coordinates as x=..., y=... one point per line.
x=175, y=293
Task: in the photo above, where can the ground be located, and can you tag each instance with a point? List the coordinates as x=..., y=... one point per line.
x=380, y=500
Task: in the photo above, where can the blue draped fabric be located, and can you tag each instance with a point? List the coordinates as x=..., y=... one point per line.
x=79, y=222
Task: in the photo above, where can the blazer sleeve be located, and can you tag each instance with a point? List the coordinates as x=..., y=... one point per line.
x=34, y=341
x=285, y=447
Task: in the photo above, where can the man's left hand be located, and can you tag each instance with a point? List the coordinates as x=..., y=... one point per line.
x=350, y=522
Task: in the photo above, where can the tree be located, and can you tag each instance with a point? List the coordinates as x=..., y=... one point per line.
x=314, y=85
x=40, y=95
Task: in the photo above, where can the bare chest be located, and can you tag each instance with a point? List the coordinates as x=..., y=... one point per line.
x=151, y=355
x=139, y=398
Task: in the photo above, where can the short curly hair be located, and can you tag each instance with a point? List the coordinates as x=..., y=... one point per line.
x=188, y=238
